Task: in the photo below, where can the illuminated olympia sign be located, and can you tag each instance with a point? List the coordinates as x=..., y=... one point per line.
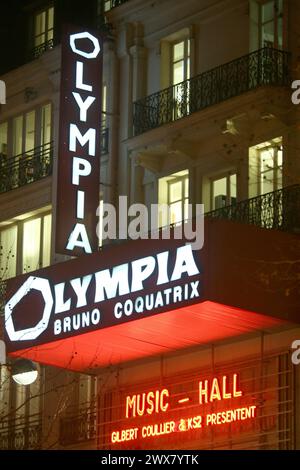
x=157, y=404
x=79, y=143
x=105, y=297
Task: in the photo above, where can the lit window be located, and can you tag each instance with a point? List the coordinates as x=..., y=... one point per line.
x=8, y=252
x=223, y=191
x=180, y=61
x=174, y=191
x=25, y=135
x=33, y=236
x=45, y=124
x=180, y=76
x=43, y=26
x=36, y=243
x=265, y=167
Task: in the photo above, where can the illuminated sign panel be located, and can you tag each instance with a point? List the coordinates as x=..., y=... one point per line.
x=216, y=401
x=79, y=143
x=98, y=291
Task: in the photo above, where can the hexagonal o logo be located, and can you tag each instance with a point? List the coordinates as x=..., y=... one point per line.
x=32, y=283
x=86, y=35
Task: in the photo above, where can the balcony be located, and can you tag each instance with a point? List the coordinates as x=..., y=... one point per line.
x=278, y=210
x=265, y=67
x=37, y=51
x=26, y=168
x=21, y=433
x=79, y=428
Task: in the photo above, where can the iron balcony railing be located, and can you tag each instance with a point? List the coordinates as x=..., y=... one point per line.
x=25, y=168
x=37, y=51
x=279, y=210
x=21, y=433
x=266, y=66
x=78, y=428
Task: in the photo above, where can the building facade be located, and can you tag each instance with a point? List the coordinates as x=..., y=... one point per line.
x=196, y=108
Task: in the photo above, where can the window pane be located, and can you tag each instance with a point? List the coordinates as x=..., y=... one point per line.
x=219, y=193
x=178, y=51
x=267, y=182
x=104, y=105
x=186, y=209
x=267, y=159
x=29, y=136
x=17, y=135
x=186, y=187
x=176, y=212
x=3, y=139
x=188, y=69
x=47, y=241
x=8, y=252
x=46, y=124
x=31, y=245
x=280, y=33
x=279, y=157
x=233, y=188
x=50, y=18
x=40, y=27
x=268, y=34
x=178, y=72
x=268, y=12
x=175, y=192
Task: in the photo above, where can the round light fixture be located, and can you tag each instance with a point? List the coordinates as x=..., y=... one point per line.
x=24, y=372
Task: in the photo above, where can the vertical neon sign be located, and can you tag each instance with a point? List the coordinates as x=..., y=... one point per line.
x=79, y=143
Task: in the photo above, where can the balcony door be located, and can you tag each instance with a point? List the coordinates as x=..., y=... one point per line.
x=271, y=24
x=267, y=24
x=265, y=179
x=223, y=191
x=180, y=73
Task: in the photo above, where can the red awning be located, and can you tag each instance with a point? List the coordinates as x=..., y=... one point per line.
x=185, y=327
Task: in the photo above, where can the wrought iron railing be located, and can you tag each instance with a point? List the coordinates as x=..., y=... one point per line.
x=21, y=433
x=266, y=66
x=79, y=428
x=37, y=51
x=25, y=168
x=278, y=210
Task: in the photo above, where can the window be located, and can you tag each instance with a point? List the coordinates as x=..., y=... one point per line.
x=45, y=124
x=265, y=167
x=223, y=191
x=25, y=134
x=8, y=252
x=271, y=29
x=180, y=61
x=181, y=73
x=43, y=26
x=33, y=238
x=174, y=191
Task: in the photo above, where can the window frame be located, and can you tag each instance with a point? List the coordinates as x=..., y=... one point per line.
x=37, y=130
x=219, y=176
x=185, y=197
x=45, y=10
x=20, y=240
